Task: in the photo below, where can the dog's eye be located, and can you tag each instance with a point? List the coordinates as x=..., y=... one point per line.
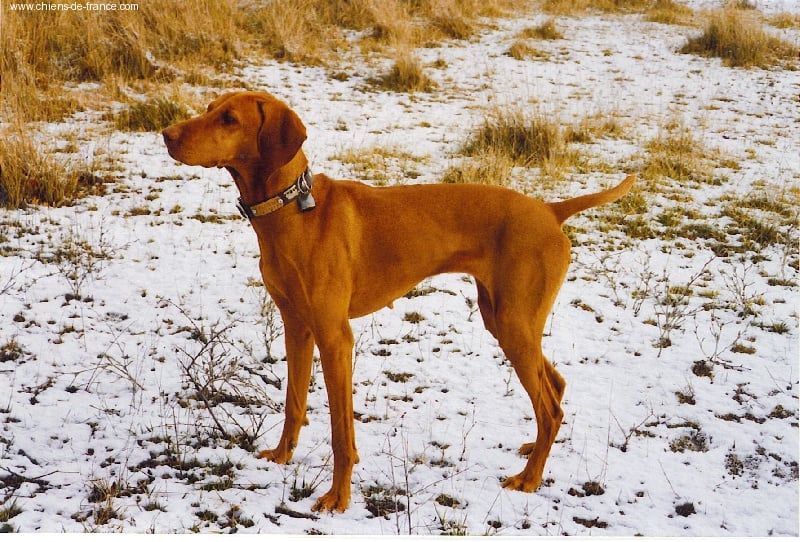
x=228, y=119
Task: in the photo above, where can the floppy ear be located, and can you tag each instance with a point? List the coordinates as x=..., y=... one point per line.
x=281, y=135
x=221, y=98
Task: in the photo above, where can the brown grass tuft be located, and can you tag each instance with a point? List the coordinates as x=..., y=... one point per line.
x=545, y=31
x=785, y=20
x=30, y=176
x=571, y=7
x=150, y=115
x=528, y=140
x=520, y=50
x=533, y=140
x=738, y=37
x=669, y=12
x=489, y=167
x=405, y=75
x=675, y=153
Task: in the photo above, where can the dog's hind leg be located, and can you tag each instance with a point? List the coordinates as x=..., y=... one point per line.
x=557, y=384
x=486, y=308
x=523, y=303
x=537, y=377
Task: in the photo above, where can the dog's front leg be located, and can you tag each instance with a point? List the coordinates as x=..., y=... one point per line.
x=336, y=353
x=299, y=357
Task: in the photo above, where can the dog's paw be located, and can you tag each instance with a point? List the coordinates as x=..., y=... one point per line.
x=332, y=501
x=276, y=455
x=521, y=483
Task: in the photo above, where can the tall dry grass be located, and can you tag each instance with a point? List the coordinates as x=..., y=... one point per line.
x=572, y=7
x=163, y=40
x=30, y=176
x=669, y=12
x=513, y=137
x=738, y=37
x=169, y=42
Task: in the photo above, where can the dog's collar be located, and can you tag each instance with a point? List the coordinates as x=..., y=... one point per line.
x=300, y=190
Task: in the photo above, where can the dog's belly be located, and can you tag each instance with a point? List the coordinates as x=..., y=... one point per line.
x=380, y=289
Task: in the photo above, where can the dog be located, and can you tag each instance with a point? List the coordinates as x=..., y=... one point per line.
x=333, y=250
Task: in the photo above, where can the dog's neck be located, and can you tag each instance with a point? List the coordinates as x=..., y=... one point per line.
x=257, y=184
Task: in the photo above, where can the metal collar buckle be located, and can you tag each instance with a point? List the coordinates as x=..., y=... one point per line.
x=300, y=190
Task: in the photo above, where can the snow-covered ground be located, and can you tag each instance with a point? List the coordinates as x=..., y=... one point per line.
x=118, y=313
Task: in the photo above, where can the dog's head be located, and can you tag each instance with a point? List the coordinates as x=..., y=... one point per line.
x=239, y=130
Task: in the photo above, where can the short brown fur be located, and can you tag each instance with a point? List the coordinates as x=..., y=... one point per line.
x=362, y=247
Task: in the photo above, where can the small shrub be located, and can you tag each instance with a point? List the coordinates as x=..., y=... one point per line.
x=638, y=227
x=447, y=501
x=593, y=127
x=398, y=377
x=380, y=164
x=754, y=228
x=459, y=19
x=207, y=515
x=703, y=368
x=590, y=523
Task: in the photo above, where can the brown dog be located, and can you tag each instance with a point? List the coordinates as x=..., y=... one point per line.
x=345, y=249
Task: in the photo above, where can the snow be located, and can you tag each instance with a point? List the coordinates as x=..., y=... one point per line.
x=99, y=390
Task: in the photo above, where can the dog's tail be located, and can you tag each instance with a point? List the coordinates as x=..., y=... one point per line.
x=565, y=209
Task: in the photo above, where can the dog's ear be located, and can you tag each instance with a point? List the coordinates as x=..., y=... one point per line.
x=221, y=98
x=281, y=135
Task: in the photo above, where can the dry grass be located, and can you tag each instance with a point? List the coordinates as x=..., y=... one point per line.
x=669, y=12
x=405, y=75
x=678, y=153
x=157, y=48
x=30, y=176
x=595, y=126
x=489, y=167
x=150, y=115
x=520, y=50
x=785, y=20
x=162, y=41
x=381, y=165
x=572, y=7
x=512, y=137
x=545, y=31
x=528, y=140
x=675, y=154
x=738, y=37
